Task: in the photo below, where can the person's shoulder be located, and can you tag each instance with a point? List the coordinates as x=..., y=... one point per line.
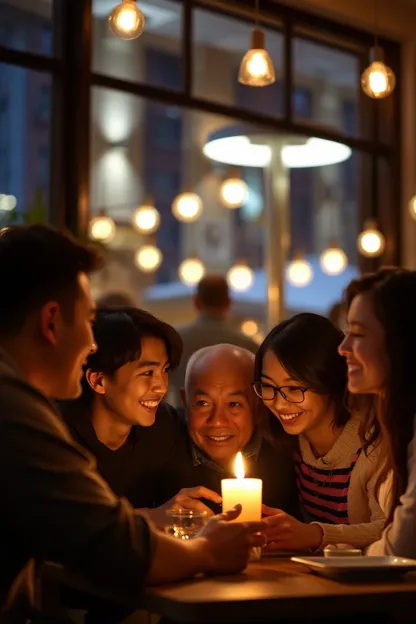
x=23, y=406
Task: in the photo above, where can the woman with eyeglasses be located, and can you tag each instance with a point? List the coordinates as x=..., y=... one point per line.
x=302, y=380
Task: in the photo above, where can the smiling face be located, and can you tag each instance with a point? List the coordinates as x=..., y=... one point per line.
x=219, y=405
x=312, y=414
x=364, y=348
x=133, y=394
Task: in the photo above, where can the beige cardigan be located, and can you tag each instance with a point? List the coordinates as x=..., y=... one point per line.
x=365, y=512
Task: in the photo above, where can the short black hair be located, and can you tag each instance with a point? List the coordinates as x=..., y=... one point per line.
x=212, y=291
x=119, y=333
x=38, y=263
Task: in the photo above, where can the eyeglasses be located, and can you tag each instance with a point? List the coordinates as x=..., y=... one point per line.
x=291, y=394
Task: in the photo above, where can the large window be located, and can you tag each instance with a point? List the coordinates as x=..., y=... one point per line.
x=147, y=113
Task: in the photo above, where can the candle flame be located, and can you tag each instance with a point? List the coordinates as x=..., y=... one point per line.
x=239, y=466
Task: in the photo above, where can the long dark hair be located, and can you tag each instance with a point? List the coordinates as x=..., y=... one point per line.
x=307, y=347
x=393, y=292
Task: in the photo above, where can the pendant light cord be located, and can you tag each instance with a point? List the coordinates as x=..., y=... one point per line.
x=376, y=22
x=256, y=13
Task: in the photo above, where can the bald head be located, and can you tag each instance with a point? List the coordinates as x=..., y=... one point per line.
x=222, y=359
x=219, y=400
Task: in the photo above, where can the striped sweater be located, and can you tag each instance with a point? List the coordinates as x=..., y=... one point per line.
x=337, y=491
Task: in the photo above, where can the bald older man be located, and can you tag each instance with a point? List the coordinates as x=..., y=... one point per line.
x=222, y=418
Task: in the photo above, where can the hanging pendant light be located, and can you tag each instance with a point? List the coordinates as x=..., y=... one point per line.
x=299, y=272
x=148, y=258
x=126, y=20
x=191, y=270
x=233, y=191
x=240, y=277
x=187, y=206
x=333, y=260
x=257, y=69
x=371, y=242
x=377, y=80
x=146, y=219
x=102, y=228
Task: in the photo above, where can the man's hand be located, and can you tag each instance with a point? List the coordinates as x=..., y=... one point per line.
x=284, y=532
x=187, y=498
x=226, y=545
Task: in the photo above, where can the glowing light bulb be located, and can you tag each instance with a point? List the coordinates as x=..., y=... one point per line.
x=187, y=207
x=7, y=202
x=257, y=69
x=191, y=271
x=102, y=229
x=146, y=219
x=333, y=260
x=126, y=20
x=233, y=192
x=377, y=80
x=148, y=258
x=250, y=328
x=299, y=272
x=240, y=277
x=371, y=242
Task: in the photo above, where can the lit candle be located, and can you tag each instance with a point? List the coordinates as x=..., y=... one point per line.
x=244, y=492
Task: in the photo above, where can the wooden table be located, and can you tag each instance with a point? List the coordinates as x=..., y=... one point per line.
x=275, y=590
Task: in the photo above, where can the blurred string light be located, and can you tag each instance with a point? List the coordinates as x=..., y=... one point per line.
x=187, y=207
x=249, y=328
x=102, y=228
x=233, y=191
x=126, y=20
x=146, y=219
x=191, y=271
x=333, y=260
x=7, y=203
x=240, y=277
x=299, y=271
x=148, y=258
x=371, y=242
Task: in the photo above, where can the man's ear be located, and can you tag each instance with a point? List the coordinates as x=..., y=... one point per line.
x=50, y=322
x=183, y=396
x=96, y=381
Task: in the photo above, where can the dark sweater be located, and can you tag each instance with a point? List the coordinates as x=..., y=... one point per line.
x=136, y=469
x=156, y=462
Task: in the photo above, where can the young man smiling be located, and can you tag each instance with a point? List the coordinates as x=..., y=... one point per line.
x=121, y=418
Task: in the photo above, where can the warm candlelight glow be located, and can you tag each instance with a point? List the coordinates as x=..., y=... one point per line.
x=239, y=466
x=242, y=491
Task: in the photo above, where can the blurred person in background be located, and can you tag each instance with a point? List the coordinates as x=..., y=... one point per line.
x=115, y=300
x=211, y=327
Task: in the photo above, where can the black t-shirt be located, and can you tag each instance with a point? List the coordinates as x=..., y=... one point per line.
x=136, y=469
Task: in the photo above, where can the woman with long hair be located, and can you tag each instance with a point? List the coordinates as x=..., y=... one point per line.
x=380, y=350
x=302, y=380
